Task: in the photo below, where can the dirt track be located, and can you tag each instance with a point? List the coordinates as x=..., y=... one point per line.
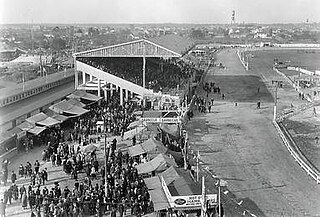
x=242, y=147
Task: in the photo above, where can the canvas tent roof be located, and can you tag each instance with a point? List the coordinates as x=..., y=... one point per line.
x=80, y=94
x=159, y=164
x=159, y=199
x=76, y=102
x=58, y=117
x=25, y=126
x=37, y=117
x=171, y=129
x=48, y=122
x=153, y=182
x=136, y=150
x=135, y=124
x=36, y=130
x=64, y=107
x=150, y=146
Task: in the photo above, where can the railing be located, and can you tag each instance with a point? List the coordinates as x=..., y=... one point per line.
x=311, y=171
x=241, y=60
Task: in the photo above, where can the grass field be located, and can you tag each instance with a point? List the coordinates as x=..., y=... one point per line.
x=303, y=58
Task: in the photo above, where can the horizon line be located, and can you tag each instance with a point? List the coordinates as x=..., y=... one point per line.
x=160, y=23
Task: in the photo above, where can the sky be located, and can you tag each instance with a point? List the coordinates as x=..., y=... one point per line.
x=158, y=11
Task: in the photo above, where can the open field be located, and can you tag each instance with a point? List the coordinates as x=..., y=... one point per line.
x=308, y=59
x=240, y=144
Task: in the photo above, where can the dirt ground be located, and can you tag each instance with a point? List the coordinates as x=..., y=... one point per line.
x=240, y=145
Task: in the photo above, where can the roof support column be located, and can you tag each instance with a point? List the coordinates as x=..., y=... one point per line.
x=105, y=94
x=83, y=77
x=99, y=87
x=144, y=71
x=126, y=95
x=76, y=77
x=121, y=96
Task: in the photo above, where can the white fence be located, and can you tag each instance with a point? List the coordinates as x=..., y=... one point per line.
x=242, y=61
x=298, y=45
x=298, y=69
x=297, y=156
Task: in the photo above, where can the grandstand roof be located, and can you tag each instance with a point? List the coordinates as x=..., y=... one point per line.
x=139, y=48
x=174, y=42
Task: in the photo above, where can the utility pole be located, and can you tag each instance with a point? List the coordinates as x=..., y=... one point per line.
x=185, y=156
x=219, y=196
x=106, y=155
x=204, y=199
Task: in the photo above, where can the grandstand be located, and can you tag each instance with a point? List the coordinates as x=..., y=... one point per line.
x=134, y=68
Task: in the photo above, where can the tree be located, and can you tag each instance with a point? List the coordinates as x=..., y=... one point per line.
x=58, y=44
x=197, y=33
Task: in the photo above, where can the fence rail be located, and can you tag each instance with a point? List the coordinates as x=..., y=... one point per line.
x=304, y=163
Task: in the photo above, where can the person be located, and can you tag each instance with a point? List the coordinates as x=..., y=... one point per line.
x=24, y=200
x=258, y=105
x=21, y=170
x=13, y=177
x=2, y=208
x=22, y=190
x=36, y=166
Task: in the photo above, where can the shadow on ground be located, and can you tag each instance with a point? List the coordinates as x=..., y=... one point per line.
x=250, y=88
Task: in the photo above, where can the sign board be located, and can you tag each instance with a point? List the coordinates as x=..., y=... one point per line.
x=190, y=201
x=162, y=120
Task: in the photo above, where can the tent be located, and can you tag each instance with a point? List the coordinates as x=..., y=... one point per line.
x=171, y=129
x=60, y=118
x=150, y=146
x=36, y=130
x=131, y=133
x=136, y=150
x=153, y=182
x=48, y=122
x=76, y=102
x=66, y=108
x=136, y=124
x=42, y=120
x=37, y=117
x=80, y=94
x=26, y=126
x=159, y=199
x=157, y=164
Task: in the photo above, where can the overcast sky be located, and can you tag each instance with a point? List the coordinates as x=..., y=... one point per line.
x=158, y=11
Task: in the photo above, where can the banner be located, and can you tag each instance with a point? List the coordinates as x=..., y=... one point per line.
x=162, y=120
x=190, y=201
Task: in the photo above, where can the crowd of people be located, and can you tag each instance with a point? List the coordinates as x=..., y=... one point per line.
x=161, y=74
x=65, y=149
